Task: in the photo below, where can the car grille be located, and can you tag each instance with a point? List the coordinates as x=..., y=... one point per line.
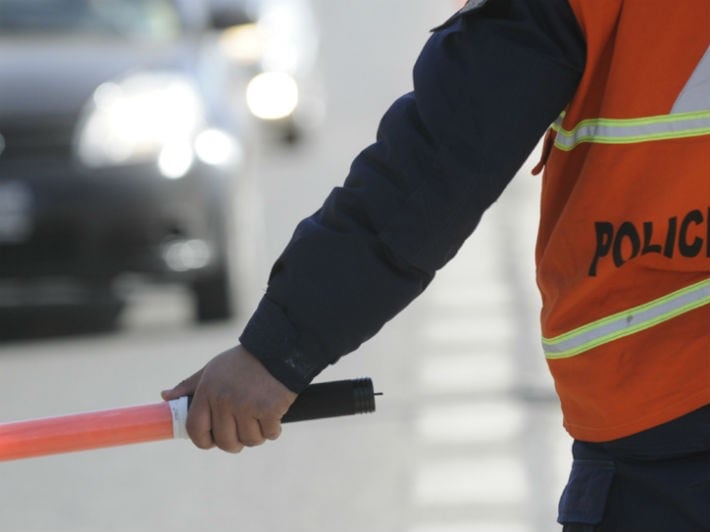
x=54, y=249
x=35, y=140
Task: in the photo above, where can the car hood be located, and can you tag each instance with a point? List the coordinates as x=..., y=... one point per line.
x=44, y=77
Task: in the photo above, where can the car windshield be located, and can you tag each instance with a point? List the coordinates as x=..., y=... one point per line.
x=135, y=19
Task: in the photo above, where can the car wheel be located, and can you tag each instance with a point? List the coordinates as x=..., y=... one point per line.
x=291, y=135
x=213, y=297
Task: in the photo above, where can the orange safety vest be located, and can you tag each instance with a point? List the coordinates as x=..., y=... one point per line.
x=623, y=252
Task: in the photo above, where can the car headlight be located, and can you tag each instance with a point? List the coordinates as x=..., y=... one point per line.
x=282, y=40
x=142, y=118
x=244, y=44
x=272, y=95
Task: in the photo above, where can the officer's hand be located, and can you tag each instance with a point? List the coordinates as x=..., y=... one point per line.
x=236, y=402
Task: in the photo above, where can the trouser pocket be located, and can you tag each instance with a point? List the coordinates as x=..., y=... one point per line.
x=584, y=498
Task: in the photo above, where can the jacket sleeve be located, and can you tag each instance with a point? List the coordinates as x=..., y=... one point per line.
x=486, y=86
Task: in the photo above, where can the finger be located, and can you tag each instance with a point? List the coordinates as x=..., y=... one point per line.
x=270, y=428
x=224, y=430
x=249, y=432
x=199, y=423
x=185, y=387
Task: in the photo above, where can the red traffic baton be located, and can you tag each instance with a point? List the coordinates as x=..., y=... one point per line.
x=162, y=421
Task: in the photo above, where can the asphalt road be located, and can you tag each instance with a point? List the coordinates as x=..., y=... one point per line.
x=466, y=438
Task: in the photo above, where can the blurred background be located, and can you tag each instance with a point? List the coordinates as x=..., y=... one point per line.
x=155, y=156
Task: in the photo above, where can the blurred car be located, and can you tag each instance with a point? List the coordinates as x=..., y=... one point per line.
x=278, y=40
x=119, y=148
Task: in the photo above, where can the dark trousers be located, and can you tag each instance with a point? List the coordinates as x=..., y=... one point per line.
x=654, y=481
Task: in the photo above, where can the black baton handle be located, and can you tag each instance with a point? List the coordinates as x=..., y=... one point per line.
x=331, y=399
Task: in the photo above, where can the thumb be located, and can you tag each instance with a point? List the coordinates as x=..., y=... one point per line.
x=185, y=387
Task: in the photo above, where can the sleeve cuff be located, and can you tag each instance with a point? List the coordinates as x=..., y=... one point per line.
x=272, y=339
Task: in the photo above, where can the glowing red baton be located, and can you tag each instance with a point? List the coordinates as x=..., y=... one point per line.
x=161, y=421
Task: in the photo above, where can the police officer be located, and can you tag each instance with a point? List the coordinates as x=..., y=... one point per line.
x=626, y=312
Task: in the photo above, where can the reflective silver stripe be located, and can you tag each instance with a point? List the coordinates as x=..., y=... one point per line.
x=628, y=322
x=689, y=117
x=695, y=96
x=632, y=130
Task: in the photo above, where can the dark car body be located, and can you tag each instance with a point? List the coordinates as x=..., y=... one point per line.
x=119, y=150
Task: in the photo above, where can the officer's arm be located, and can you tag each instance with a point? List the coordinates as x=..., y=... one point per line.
x=486, y=86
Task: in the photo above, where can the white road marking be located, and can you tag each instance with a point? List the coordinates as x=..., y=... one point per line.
x=485, y=480
x=474, y=372
x=469, y=423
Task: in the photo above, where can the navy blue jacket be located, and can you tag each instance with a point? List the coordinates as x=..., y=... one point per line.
x=486, y=86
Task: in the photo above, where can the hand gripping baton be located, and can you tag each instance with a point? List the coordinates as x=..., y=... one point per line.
x=162, y=421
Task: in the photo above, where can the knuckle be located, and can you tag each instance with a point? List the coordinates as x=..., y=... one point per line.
x=272, y=433
x=202, y=443
x=192, y=429
x=201, y=439
x=252, y=442
x=231, y=447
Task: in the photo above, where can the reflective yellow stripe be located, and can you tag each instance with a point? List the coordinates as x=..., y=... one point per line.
x=628, y=322
x=633, y=130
